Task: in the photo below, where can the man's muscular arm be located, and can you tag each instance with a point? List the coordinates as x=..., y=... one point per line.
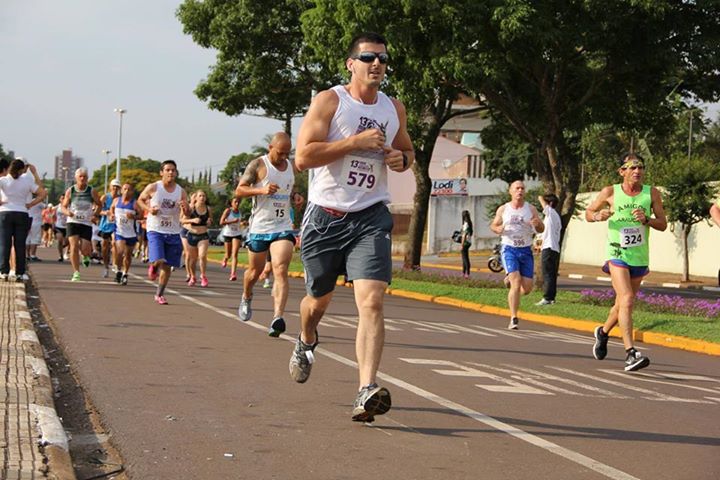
x=254, y=172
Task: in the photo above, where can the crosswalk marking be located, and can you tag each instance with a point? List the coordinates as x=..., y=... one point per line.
x=507, y=385
x=522, y=374
x=653, y=377
x=650, y=394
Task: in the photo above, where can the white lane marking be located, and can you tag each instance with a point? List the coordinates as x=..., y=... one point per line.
x=554, y=448
x=649, y=377
x=575, y=276
x=599, y=391
x=528, y=376
x=604, y=279
x=94, y=282
x=509, y=386
x=650, y=394
x=204, y=291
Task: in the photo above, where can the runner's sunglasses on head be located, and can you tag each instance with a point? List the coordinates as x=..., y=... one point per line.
x=369, y=57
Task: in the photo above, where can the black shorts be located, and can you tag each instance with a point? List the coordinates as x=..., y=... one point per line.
x=105, y=235
x=194, y=239
x=60, y=230
x=357, y=244
x=79, y=229
x=47, y=226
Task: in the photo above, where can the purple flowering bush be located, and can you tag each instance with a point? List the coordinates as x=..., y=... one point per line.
x=658, y=303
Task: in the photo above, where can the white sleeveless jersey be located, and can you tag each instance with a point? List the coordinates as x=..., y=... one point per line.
x=359, y=179
x=60, y=218
x=124, y=226
x=167, y=219
x=517, y=230
x=232, y=229
x=271, y=213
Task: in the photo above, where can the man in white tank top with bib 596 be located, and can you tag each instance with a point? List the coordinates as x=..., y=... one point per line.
x=516, y=222
x=350, y=137
x=163, y=201
x=270, y=181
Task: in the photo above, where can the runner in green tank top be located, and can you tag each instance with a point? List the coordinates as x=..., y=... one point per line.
x=631, y=209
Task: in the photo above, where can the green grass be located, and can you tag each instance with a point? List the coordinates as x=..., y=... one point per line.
x=568, y=304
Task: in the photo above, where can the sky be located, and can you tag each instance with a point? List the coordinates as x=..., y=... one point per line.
x=67, y=65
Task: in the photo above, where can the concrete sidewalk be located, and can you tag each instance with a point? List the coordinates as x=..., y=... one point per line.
x=577, y=271
x=34, y=444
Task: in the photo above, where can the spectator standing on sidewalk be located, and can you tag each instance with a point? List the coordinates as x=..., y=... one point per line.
x=550, y=249
x=14, y=218
x=629, y=208
x=516, y=222
x=465, y=242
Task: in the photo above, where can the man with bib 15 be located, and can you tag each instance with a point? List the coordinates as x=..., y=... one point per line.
x=631, y=209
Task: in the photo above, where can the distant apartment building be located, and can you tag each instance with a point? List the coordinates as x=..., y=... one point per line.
x=66, y=164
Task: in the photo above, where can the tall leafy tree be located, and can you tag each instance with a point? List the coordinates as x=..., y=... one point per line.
x=261, y=65
x=551, y=69
x=546, y=69
x=421, y=73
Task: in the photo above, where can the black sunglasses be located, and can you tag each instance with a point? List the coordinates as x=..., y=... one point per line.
x=369, y=57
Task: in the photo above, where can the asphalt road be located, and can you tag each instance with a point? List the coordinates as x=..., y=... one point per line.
x=188, y=391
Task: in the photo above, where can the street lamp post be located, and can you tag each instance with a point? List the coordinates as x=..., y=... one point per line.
x=120, y=111
x=107, y=154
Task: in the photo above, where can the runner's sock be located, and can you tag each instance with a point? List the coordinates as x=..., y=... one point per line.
x=160, y=290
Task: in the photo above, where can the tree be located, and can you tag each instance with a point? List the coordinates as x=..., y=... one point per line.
x=550, y=70
x=544, y=68
x=688, y=194
x=261, y=59
x=420, y=36
x=5, y=155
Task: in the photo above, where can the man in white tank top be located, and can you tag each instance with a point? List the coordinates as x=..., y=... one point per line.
x=351, y=136
x=163, y=201
x=516, y=222
x=270, y=181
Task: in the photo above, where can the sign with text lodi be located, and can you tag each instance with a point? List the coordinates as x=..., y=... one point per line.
x=449, y=186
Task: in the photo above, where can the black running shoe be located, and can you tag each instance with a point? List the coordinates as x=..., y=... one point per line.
x=635, y=361
x=118, y=276
x=513, y=325
x=277, y=327
x=370, y=401
x=124, y=279
x=601, y=341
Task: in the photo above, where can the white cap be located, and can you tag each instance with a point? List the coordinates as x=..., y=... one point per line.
x=115, y=183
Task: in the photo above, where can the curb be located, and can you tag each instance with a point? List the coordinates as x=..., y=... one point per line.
x=50, y=434
x=652, y=338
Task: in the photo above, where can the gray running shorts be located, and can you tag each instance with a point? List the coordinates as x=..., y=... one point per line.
x=356, y=244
